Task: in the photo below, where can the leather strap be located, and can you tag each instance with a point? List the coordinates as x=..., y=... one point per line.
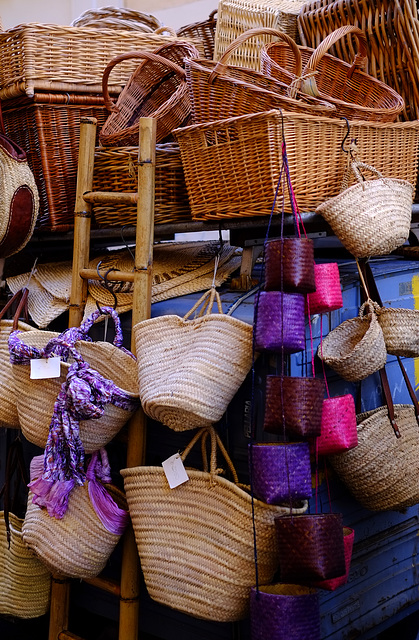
x=14, y=462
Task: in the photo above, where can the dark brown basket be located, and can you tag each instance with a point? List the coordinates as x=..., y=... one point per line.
x=47, y=127
x=289, y=265
x=205, y=31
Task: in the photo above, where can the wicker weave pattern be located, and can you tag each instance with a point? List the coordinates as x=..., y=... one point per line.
x=8, y=403
x=289, y=265
x=216, y=156
x=25, y=581
x=293, y=405
x=401, y=331
x=280, y=322
x=117, y=18
x=204, y=31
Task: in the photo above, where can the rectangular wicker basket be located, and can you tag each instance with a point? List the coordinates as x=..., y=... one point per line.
x=232, y=166
x=116, y=170
x=47, y=127
x=48, y=57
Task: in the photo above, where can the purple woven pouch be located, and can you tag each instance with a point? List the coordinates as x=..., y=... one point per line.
x=284, y=612
x=280, y=322
x=280, y=471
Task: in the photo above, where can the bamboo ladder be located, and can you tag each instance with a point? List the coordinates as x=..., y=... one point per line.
x=128, y=588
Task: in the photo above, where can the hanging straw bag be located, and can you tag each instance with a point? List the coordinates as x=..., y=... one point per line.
x=79, y=543
x=328, y=294
x=113, y=366
x=382, y=471
x=189, y=370
x=372, y=217
x=280, y=322
x=401, y=331
x=356, y=348
x=338, y=425
x=289, y=265
x=195, y=542
x=334, y=583
x=157, y=89
x=25, y=582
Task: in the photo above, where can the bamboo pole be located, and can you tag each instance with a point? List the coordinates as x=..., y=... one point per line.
x=60, y=602
x=130, y=573
x=82, y=219
x=103, y=197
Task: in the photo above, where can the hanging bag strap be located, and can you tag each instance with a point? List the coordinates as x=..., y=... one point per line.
x=14, y=462
x=21, y=297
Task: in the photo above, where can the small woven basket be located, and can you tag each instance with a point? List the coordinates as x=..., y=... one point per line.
x=328, y=294
x=195, y=542
x=370, y=218
x=356, y=348
x=117, y=18
x=293, y=405
x=333, y=583
x=279, y=322
x=401, y=331
x=289, y=265
x=338, y=426
x=204, y=30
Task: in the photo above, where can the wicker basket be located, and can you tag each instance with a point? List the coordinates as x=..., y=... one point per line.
x=195, y=542
x=232, y=166
x=401, y=331
x=204, y=31
x=115, y=170
x=117, y=18
x=236, y=16
x=47, y=57
x=53, y=158
x=355, y=94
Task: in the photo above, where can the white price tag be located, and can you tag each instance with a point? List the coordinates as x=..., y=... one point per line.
x=175, y=471
x=45, y=368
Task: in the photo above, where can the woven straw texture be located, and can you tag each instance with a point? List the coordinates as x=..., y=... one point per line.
x=356, y=348
x=80, y=54
x=43, y=307
x=236, y=16
x=289, y=265
x=284, y=611
x=8, y=403
x=401, y=331
x=393, y=35
x=355, y=94
x=338, y=429
x=36, y=398
x=157, y=89
x=195, y=542
x=328, y=294
x=348, y=543
x=25, y=581
x=371, y=218
x=203, y=30
x=310, y=547
x=221, y=90
x=381, y=472
x=279, y=322
x=78, y=545
x=117, y=18
x=280, y=472
x=116, y=171
x=189, y=370
x=293, y=405
x=217, y=155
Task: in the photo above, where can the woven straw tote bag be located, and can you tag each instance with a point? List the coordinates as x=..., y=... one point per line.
x=195, y=542
x=36, y=398
x=382, y=471
x=356, y=348
x=372, y=217
x=25, y=582
x=401, y=331
x=189, y=370
x=79, y=544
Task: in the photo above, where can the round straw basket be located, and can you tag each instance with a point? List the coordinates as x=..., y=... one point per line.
x=8, y=409
x=371, y=218
x=401, y=331
x=25, y=581
x=382, y=471
x=36, y=398
x=195, y=542
x=77, y=545
x=189, y=370
x=356, y=348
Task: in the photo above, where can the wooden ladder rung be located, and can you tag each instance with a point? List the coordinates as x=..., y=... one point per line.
x=105, y=584
x=119, y=276
x=67, y=635
x=109, y=197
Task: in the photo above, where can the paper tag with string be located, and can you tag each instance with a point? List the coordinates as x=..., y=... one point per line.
x=175, y=471
x=42, y=368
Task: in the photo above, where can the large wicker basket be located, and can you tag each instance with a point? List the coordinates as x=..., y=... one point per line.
x=204, y=30
x=216, y=157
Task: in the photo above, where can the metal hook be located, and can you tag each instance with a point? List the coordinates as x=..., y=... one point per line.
x=346, y=135
x=107, y=284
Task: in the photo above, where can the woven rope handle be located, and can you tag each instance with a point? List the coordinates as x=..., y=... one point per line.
x=165, y=29
x=368, y=308
x=354, y=168
x=144, y=55
x=216, y=442
x=220, y=66
x=206, y=300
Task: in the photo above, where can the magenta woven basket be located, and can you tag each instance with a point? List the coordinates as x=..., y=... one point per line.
x=348, y=543
x=280, y=471
x=338, y=426
x=328, y=294
x=289, y=265
x=293, y=405
x=280, y=322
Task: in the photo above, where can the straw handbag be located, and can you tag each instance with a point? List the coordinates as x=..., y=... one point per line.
x=401, y=331
x=25, y=582
x=382, y=471
x=79, y=544
x=372, y=217
x=189, y=370
x=195, y=542
x=356, y=348
x=157, y=89
x=355, y=94
x=36, y=398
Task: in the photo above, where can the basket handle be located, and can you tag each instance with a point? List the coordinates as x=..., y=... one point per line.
x=165, y=29
x=207, y=300
x=220, y=66
x=144, y=55
x=308, y=84
x=21, y=296
x=355, y=167
x=215, y=442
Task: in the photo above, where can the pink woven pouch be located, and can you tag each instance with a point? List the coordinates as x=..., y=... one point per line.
x=338, y=425
x=328, y=294
x=334, y=583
